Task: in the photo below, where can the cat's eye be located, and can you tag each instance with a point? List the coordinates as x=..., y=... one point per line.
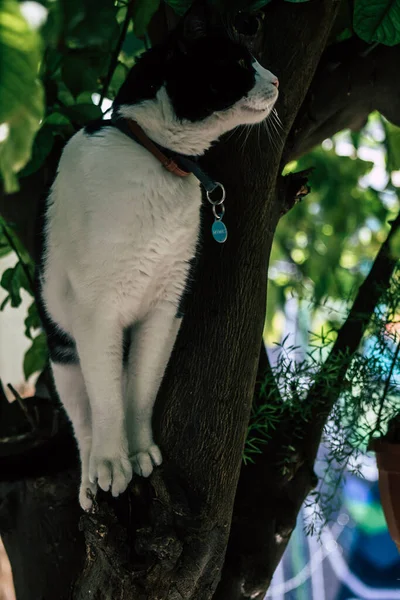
x=248, y=24
x=242, y=63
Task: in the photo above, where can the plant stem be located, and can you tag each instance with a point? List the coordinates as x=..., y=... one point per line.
x=23, y=264
x=117, y=50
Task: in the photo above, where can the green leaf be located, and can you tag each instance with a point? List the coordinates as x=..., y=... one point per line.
x=32, y=321
x=392, y=143
x=35, y=358
x=117, y=80
x=82, y=113
x=13, y=279
x=60, y=125
x=5, y=247
x=21, y=94
x=88, y=24
x=143, y=10
x=8, y=234
x=9, y=282
x=377, y=21
x=179, y=6
x=56, y=119
x=5, y=302
x=78, y=75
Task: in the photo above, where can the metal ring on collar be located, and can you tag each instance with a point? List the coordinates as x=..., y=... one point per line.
x=221, y=208
x=221, y=200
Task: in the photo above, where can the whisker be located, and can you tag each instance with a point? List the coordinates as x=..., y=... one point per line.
x=230, y=134
x=277, y=118
x=259, y=136
x=271, y=133
x=248, y=131
x=242, y=132
x=275, y=128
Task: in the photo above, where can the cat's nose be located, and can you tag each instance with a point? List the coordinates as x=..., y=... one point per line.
x=275, y=82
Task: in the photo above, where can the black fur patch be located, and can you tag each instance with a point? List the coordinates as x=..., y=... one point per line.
x=207, y=75
x=94, y=127
x=62, y=348
x=126, y=344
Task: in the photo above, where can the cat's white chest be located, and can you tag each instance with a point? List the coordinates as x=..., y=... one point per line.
x=122, y=229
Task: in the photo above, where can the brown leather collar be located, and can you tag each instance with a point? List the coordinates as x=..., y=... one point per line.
x=167, y=163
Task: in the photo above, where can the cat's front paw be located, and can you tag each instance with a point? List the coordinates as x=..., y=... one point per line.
x=144, y=462
x=110, y=470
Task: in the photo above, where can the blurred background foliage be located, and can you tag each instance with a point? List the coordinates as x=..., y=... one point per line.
x=324, y=247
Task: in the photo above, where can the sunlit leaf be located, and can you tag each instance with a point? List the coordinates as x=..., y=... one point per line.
x=21, y=94
x=392, y=143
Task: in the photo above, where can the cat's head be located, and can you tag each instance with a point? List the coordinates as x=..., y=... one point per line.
x=198, y=85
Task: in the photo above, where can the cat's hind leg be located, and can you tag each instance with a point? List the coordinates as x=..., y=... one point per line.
x=71, y=388
x=151, y=346
x=98, y=335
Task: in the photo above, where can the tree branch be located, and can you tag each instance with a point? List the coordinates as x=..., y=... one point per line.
x=348, y=85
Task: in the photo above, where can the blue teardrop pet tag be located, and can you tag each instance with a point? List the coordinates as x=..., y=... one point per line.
x=219, y=231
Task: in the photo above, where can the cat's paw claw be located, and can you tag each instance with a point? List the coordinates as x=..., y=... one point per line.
x=111, y=473
x=144, y=462
x=87, y=495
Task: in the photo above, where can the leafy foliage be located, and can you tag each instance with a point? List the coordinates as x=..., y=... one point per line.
x=325, y=245
x=79, y=39
x=14, y=280
x=36, y=357
x=322, y=251
x=378, y=21
x=21, y=94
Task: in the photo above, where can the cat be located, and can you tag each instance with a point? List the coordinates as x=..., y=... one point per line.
x=120, y=231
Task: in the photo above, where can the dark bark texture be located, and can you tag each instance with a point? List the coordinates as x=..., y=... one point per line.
x=167, y=538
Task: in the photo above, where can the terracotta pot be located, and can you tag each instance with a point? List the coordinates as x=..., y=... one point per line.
x=388, y=460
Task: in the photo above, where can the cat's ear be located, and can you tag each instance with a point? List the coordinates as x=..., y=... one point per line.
x=195, y=22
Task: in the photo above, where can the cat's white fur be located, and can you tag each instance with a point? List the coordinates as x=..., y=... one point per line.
x=121, y=231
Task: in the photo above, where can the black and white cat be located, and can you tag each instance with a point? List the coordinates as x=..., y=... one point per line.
x=119, y=235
